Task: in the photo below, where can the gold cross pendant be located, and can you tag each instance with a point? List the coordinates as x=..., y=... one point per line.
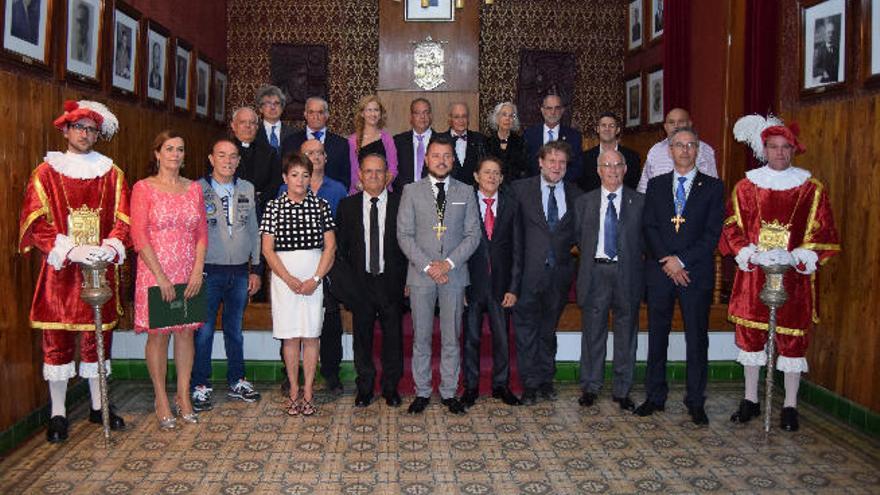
x=677, y=220
x=440, y=229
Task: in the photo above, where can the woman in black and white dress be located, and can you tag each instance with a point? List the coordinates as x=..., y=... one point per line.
x=299, y=246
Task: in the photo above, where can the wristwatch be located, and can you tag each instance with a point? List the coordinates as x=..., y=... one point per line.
x=317, y=279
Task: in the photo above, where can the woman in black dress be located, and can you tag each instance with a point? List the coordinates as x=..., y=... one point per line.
x=506, y=143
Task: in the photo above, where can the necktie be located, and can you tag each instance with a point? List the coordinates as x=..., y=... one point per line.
x=680, y=196
x=318, y=135
x=490, y=217
x=611, y=228
x=273, y=139
x=374, y=237
x=550, y=136
x=441, y=196
x=552, y=209
x=463, y=137
x=420, y=156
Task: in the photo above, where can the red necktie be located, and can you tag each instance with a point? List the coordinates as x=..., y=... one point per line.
x=490, y=217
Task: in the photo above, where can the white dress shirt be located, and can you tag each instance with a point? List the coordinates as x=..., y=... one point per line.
x=603, y=209
x=417, y=172
x=559, y=192
x=460, y=145
x=555, y=130
x=268, y=127
x=382, y=206
x=310, y=134
x=482, y=204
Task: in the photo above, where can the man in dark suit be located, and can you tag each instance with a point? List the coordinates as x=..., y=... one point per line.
x=494, y=284
x=316, y=113
x=259, y=163
x=271, y=102
x=411, y=145
x=470, y=146
x=551, y=130
x=26, y=20
x=826, y=60
x=546, y=207
x=684, y=211
x=367, y=250
x=610, y=277
x=608, y=130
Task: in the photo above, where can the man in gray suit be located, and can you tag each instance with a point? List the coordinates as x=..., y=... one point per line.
x=610, y=277
x=438, y=228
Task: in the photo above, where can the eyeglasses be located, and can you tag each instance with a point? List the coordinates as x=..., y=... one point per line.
x=691, y=146
x=315, y=153
x=271, y=104
x=84, y=128
x=612, y=165
x=554, y=109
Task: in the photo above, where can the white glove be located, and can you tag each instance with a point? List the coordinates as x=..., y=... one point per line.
x=105, y=253
x=744, y=255
x=772, y=257
x=114, y=246
x=83, y=254
x=805, y=256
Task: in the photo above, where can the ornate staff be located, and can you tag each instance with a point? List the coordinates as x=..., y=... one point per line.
x=774, y=296
x=96, y=292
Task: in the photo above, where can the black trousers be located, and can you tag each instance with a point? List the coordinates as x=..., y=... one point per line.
x=473, y=330
x=379, y=303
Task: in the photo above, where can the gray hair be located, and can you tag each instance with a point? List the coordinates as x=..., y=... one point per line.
x=270, y=90
x=320, y=100
x=455, y=104
x=689, y=130
x=493, y=117
x=239, y=109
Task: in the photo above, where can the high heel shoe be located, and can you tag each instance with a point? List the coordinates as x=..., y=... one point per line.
x=191, y=418
x=165, y=423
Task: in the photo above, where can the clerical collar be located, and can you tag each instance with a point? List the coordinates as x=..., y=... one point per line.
x=245, y=145
x=778, y=180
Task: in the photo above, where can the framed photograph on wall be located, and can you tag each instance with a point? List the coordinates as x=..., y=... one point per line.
x=84, y=26
x=219, y=96
x=156, y=46
x=203, y=86
x=182, y=74
x=126, y=42
x=656, y=19
x=870, y=16
x=27, y=30
x=655, y=97
x=635, y=24
x=436, y=11
x=633, y=101
x=823, y=45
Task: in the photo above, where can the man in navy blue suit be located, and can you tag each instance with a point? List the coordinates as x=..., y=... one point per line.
x=316, y=114
x=683, y=215
x=537, y=136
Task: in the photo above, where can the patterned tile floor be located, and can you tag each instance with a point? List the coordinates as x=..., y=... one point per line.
x=551, y=448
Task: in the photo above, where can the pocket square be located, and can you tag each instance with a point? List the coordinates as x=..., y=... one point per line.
x=459, y=203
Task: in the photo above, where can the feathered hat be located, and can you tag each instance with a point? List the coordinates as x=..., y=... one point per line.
x=755, y=129
x=76, y=110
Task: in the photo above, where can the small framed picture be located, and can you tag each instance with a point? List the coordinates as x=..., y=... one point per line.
x=126, y=42
x=635, y=24
x=435, y=11
x=219, y=96
x=203, y=86
x=156, y=46
x=84, y=25
x=634, y=101
x=27, y=30
x=655, y=97
x=182, y=74
x=823, y=46
x=871, y=34
x=656, y=19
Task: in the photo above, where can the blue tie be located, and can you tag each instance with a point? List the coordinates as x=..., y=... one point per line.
x=550, y=135
x=680, y=196
x=317, y=135
x=273, y=139
x=611, y=228
x=552, y=221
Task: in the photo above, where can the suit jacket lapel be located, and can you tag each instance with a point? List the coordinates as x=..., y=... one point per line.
x=696, y=190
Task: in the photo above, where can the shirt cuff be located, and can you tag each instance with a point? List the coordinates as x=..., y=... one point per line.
x=680, y=262
x=451, y=264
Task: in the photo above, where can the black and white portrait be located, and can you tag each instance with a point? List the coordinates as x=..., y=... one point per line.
x=125, y=46
x=83, y=26
x=203, y=80
x=182, y=59
x=825, y=44
x=219, y=96
x=157, y=48
x=655, y=97
x=635, y=24
x=634, y=102
x=656, y=18
x=25, y=30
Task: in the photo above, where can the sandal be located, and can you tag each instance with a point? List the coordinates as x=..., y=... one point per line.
x=293, y=406
x=307, y=408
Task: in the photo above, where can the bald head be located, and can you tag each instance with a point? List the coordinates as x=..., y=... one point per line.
x=675, y=119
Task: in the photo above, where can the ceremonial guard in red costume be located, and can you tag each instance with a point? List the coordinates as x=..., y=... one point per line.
x=75, y=211
x=777, y=209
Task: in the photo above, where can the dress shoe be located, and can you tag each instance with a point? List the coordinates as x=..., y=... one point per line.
x=334, y=388
x=548, y=393
x=506, y=396
x=363, y=399
x=789, y=419
x=57, y=431
x=418, y=405
x=529, y=398
x=747, y=410
x=648, y=408
x=392, y=399
x=698, y=415
x=625, y=403
x=455, y=406
x=470, y=397
x=587, y=399
x=116, y=422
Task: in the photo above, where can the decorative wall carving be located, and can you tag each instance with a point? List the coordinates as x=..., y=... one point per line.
x=543, y=72
x=301, y=72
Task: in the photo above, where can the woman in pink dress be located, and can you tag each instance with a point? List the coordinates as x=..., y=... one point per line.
x=169, y=231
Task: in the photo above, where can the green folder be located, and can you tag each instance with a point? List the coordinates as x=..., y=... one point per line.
x=180, y=311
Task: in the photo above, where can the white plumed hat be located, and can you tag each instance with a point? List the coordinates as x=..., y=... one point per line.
x=748, y=129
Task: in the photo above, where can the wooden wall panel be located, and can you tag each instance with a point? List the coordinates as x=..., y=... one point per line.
x=26, y=134
x=397, y=106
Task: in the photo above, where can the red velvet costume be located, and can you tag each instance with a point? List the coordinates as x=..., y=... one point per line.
x=806, y=208
x=57, y=308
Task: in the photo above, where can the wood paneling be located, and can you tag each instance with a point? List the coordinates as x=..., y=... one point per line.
x=397, y=106
x=29, y=105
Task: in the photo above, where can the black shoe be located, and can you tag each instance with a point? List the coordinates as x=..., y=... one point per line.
x=747, y=410
x=698, y=415
x=392, y=399
x=334, y=388
x=116, y=423
x=648, y=408
x=470, y=397
x=506, y=396
x=587, y=399
x=625, y=403
x=57, y=431
x=789, y=419
x=549, y=393
x=455, y=406
x=529, y=398
x=418, y=405
x=363, y=399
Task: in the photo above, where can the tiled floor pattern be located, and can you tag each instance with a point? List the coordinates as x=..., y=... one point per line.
x=551, y=448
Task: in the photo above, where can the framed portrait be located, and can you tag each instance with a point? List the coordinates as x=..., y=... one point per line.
x=203, y=86
x=182, y=74
x=219, y=96
x=126, y=42
x=435, y=11
x=635, y=24
x=634, y=101
x=870, y=16
x=656, y=19
x=655, y=97
x=156, y=46
x=84, y=25
x=823, y=45
x=27, y=30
